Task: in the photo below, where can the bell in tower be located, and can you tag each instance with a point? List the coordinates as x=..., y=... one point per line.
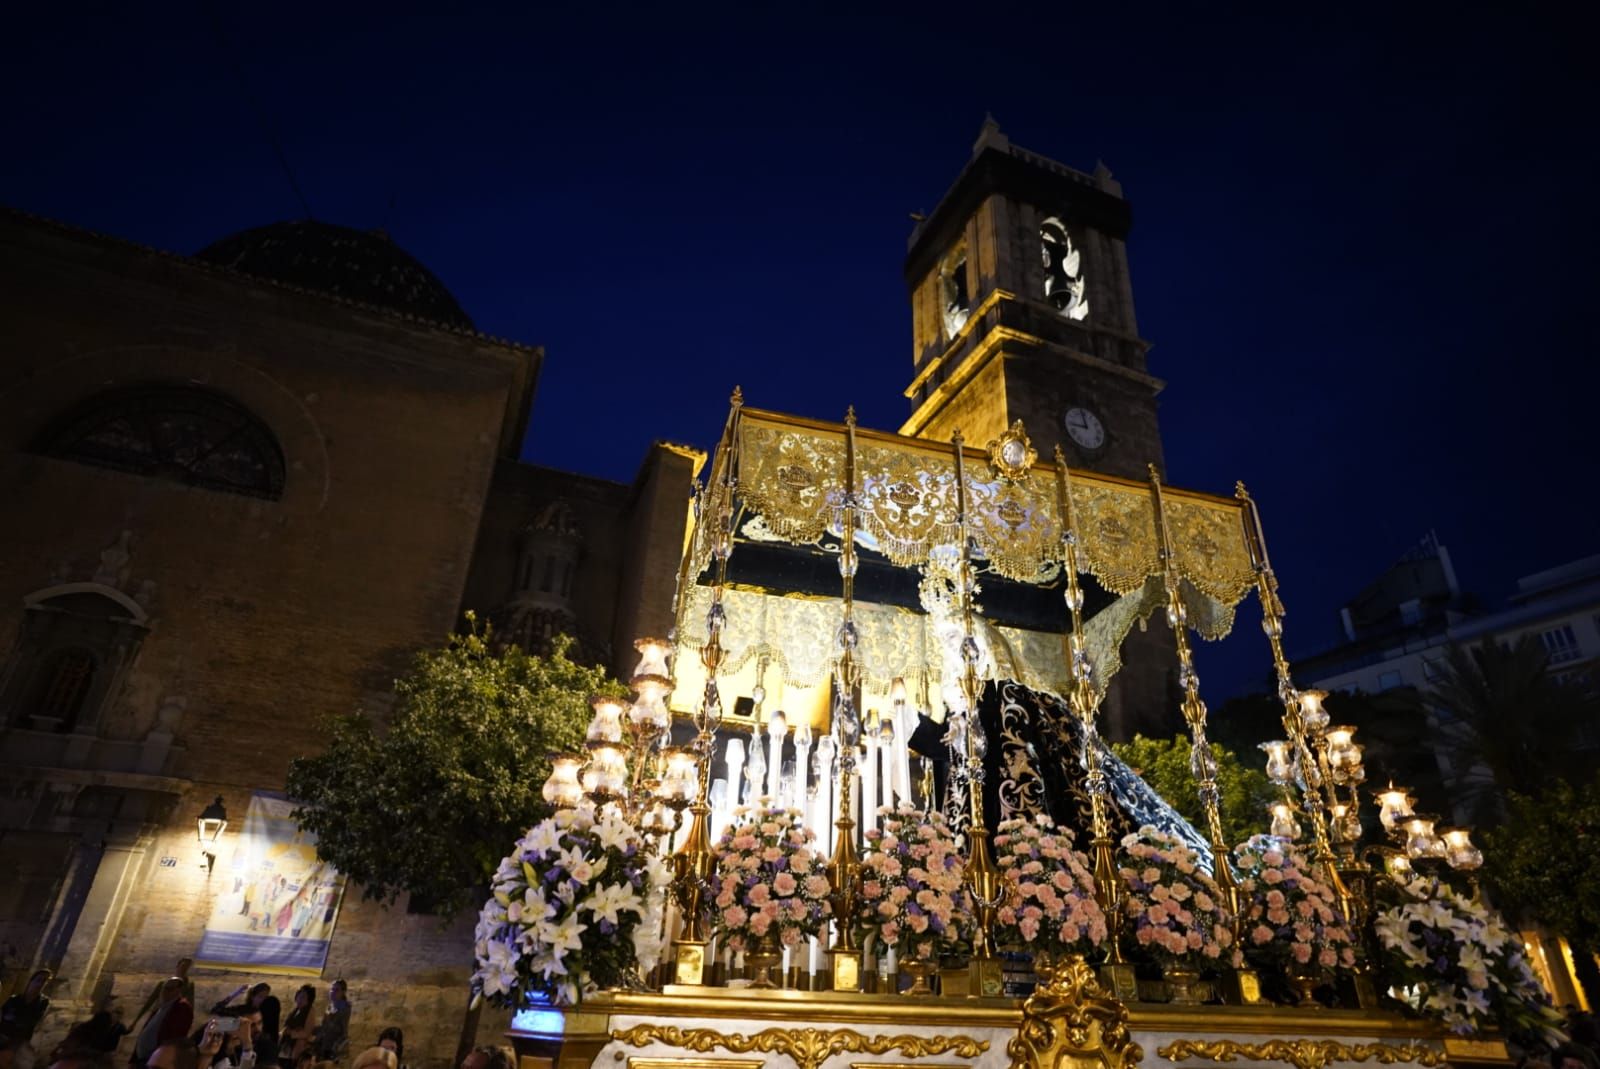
x=1022, y=308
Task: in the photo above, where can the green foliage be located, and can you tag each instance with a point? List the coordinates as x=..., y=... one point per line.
x=1506, y=716
x=1164, y=763
x=1543, y=863
x=430, y=806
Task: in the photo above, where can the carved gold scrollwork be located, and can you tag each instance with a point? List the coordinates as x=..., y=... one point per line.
x=809, y=1047
x=1070, y=1022
x=1301, y=1053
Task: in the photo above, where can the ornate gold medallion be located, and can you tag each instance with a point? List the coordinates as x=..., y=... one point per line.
x=1012, y=454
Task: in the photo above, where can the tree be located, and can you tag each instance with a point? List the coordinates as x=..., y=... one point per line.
x=1244, y=792
x=1543, y=864
x=1506, y=724
x=430, y=805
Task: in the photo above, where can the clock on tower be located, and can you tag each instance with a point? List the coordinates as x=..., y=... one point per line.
x=1022, y=309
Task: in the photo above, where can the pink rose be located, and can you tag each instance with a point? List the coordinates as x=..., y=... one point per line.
x=784, y=884
x=734, y=916
x=1261, y=934
x=758, y=894
x=1301, y=952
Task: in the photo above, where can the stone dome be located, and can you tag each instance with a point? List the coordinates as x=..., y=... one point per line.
x=358, y=265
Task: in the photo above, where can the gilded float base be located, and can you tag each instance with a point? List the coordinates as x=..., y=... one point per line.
x=697, y=1027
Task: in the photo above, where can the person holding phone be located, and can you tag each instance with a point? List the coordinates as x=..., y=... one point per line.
x=264, y=1009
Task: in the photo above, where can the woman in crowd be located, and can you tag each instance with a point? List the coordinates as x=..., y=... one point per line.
x=261, y=1005
x=294, y=1041
x=394, y=1040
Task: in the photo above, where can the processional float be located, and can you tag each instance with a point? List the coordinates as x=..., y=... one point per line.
x=767, y=595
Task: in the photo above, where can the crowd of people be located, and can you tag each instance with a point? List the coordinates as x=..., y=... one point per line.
x=248, y=1029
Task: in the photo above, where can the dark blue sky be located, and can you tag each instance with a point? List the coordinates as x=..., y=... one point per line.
x=1364, y=249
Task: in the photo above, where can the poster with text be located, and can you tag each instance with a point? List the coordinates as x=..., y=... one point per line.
x=276, y=900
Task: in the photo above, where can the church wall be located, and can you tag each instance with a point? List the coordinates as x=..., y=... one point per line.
x=519, y=494
x=263, y=616
x=655, y=533
x=977, y=408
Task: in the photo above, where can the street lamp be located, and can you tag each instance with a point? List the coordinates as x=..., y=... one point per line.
x=210, y=825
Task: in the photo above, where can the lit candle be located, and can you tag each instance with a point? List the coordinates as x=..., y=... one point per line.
x=802, y=764
x=869, y=776
x=735, y=757
x=755, y=771
x=777, y=727
x=904, y=724
x=823, y=804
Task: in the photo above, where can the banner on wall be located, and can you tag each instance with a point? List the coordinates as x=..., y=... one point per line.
x=277, y=901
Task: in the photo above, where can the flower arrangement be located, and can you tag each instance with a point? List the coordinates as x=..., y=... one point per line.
x=912, y=896
x=1050, y=904
x=767, y=880
x=578, y=903
x=1461, y=963
x=1290, y=918
x=1174, y=910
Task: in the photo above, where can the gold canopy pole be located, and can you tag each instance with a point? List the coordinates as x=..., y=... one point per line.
x=844, y=868
x=1201, y=761
x=693, y=861
x=1293, y=708
x=983, y=875
x=1085, y=704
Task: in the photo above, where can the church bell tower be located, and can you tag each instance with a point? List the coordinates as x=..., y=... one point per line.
x=1022, y=309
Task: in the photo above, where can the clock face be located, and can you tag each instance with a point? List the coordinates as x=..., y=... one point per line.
x=1085, y=428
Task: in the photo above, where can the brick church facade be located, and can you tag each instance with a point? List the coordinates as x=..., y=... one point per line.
x=244, y=488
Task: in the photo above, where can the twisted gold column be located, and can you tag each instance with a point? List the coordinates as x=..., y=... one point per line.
x=1084, y=701
x=1201, y=761
x=692, y=863
x=983, y=875
x=844, y=868
x=1311, y=775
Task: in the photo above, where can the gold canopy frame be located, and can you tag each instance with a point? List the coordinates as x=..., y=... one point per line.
x=788, y=477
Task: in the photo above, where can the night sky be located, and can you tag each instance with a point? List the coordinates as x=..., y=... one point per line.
x=1364, y=249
